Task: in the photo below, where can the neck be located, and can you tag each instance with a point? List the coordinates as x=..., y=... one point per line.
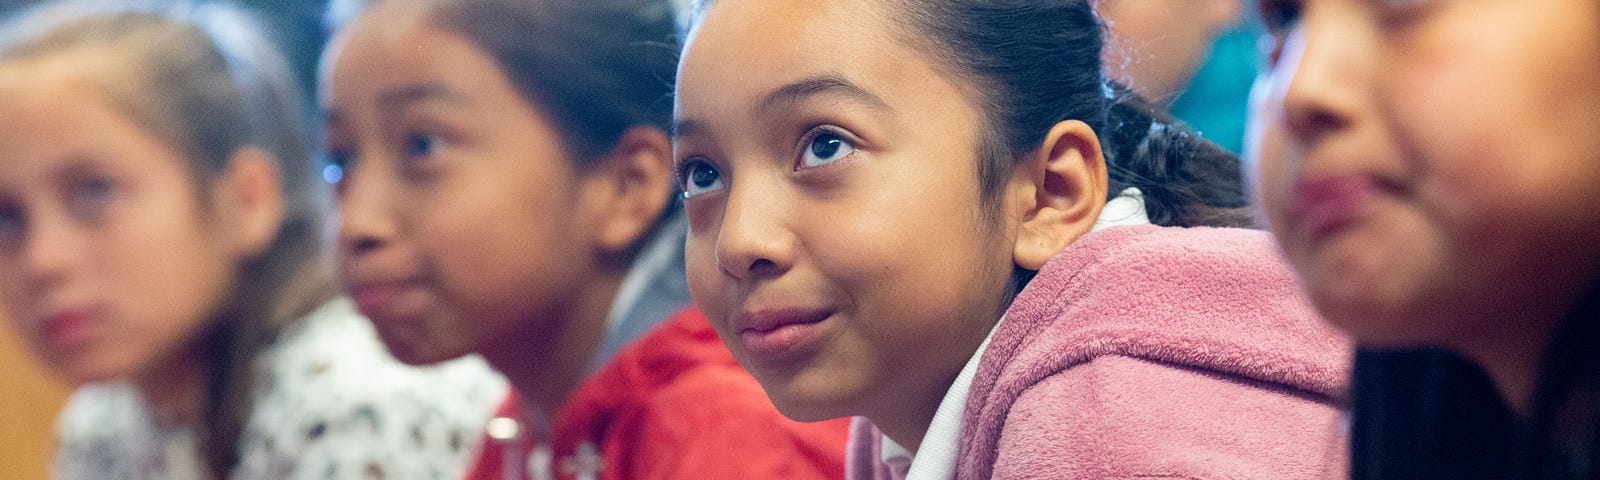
x=906, y=422
x=174, y=388
x=545, y=359
x=1511, y=351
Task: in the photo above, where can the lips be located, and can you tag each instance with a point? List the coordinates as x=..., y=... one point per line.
x=1325, y=206
x=776, y=334
x=381, y=299
x=68, y=328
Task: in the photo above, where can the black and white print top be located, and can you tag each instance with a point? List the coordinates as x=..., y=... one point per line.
x=331, y=404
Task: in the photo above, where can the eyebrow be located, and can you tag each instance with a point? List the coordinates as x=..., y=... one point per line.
x=788, y=95
x=400, y=97
x=684, y=126
x=826, y=84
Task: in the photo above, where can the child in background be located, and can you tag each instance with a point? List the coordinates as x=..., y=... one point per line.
x=1431, y=171
x=506, y=192
x=160, y=230
x=890, y=208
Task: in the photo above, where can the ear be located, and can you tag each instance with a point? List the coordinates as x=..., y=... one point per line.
x=249, y=201
x=1060, y=192
x=629, y=188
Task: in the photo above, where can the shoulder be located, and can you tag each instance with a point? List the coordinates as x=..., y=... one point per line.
x=99, y=410
x=332, y=359
x=1118, y=416
x=682, y=353
x=331, y=398
x=1137, y=339
x=94, y=429
x=1212, y=299
x=678, y=348
x=674, y=403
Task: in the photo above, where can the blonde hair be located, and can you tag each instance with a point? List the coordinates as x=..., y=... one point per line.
x=204, y=79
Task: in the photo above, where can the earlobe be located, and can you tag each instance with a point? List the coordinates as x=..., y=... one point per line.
x=250, y=200
x=1064, y=189
x=633, y=187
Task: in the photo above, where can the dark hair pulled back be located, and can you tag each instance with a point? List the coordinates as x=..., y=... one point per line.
x=1033, y=63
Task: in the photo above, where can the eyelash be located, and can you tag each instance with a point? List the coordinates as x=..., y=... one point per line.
x=681, y=175
x=818, y=131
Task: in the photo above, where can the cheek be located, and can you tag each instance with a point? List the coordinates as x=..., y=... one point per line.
x=13, y=295
x=705, y=277
x=1271, y=162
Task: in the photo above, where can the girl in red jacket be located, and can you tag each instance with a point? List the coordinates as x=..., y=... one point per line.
x=505, y=191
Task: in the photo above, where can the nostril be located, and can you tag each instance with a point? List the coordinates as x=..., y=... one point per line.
x=762, y=265
x=363, y=244
x=1312, y=123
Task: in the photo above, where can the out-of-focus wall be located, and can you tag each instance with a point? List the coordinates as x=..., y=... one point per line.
x=29, y=401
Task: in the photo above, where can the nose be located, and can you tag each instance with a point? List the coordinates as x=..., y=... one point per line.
x=52, y=249
x=753, y=241
x=366, y=212
x=1322, y=74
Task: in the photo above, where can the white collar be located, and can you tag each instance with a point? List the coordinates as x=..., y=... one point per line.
x=1127, y=208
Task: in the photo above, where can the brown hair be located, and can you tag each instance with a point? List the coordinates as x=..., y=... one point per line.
x=599, y=67
x=203, y=78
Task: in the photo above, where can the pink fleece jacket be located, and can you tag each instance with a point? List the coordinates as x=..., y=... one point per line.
x=1154, y=353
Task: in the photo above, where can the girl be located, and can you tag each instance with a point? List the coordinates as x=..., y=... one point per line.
x=1429, y=169
x=159, y=238
x=890, y=207
x=506, y=193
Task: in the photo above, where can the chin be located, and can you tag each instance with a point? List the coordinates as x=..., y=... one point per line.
x=78, y=373
x=802, y=404
x=416, y=353
x=1374, y=321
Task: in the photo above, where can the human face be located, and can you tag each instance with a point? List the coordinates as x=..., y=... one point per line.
x=459, y=218
x=1430, y=168
x=836, y=238
x=1156, y=46
x=111, y=267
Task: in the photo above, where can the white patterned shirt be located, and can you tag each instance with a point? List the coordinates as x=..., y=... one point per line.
x=331, y=403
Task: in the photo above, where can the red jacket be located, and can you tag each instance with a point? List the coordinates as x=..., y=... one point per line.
x=674, y=404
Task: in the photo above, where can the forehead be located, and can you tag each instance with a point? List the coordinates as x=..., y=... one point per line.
x=395, y=44
x=743, y=49
x=40, y=134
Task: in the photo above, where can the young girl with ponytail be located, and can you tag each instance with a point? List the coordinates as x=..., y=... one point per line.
x=940, y=217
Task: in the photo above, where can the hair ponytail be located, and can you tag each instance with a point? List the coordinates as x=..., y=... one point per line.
x=1032, y=64
x=1186, y=180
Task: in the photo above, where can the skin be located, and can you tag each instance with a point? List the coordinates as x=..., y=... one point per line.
x=116, y=260
x=1429, y=169
x=466, y=226
x=836, y=240
x=1156, y=46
